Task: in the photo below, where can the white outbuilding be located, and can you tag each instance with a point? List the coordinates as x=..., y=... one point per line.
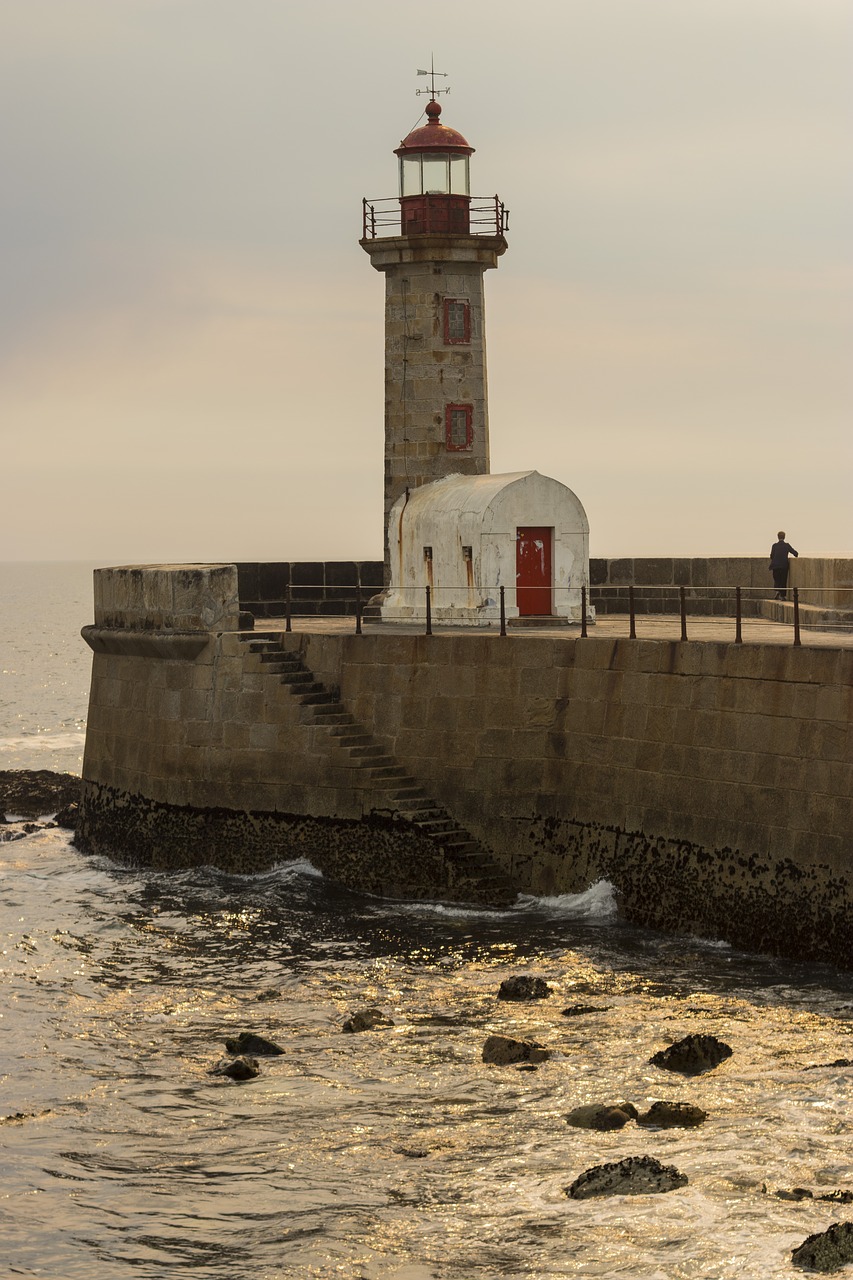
x=466, y=537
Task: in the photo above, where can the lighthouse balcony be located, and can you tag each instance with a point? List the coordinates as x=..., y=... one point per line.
x=440, y=214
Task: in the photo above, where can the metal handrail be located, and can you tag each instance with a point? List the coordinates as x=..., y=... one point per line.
x=674, y=599
x=382, y=213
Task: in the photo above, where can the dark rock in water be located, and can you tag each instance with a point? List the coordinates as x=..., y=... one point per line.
x=34, y=793
x=522, y=987
x=268, y=993
x=826, y=1251
x=67, y=817
x=18, y=1117
x=803, y=1193
x=597, y=1115
x=527, y=1066
x=692, y=1055
x=578, y=1010
x=367, y=1020
x=837, y=1197
x=237, y=1068
x=248, y=1042
x=672, y=1115
x=503, y=1051
x=412, y=1153
x=633, y=1176
x=821, y=1066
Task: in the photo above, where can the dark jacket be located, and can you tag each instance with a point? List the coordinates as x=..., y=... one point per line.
x=779, y=553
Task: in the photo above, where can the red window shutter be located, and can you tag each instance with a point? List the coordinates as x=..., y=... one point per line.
x=457, y=321
x=459, y=427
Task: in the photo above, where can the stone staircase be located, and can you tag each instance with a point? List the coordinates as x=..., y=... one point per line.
x=397, y=794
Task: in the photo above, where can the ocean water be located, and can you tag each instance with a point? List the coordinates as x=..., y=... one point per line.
x=389, y=1155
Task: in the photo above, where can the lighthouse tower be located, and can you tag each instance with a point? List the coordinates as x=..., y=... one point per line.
x=433, y=242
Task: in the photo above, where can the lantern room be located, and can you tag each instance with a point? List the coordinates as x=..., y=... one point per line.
x=435, y=190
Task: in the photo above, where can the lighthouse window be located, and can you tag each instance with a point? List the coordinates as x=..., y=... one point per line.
x=459, y=427
x=457, y=321
x=459, y=185
x=435, y=171
x=410, y=175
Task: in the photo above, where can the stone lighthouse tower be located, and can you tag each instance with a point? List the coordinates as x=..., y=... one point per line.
x=433, y=242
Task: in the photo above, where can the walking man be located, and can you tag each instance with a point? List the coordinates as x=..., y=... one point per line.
x=779, y=553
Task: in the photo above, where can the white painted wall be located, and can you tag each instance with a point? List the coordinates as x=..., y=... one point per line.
x=483, y=513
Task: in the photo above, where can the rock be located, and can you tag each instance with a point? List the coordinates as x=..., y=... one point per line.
x=268, y=993
x=577, y=1010
x=796, y=1193
x=503, y=1050
x=692, y=1055
x=67, y=817
x=837, y=1197
x=826, y=1251
x=237, y=1068
x=672, y=1115
x=633, y=1176
x=248, y=1042
x=412, y=1153
x=367, y=1020
x=821, y=1066
x=33, y=793
x=597, y=1115
x=522, y=987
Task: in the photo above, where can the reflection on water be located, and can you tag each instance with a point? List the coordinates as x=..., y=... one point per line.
x=395, y=1153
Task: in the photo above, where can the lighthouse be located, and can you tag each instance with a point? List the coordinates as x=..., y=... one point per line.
x=433, y=242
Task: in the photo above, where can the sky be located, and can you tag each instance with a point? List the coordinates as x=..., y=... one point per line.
x=191, y=338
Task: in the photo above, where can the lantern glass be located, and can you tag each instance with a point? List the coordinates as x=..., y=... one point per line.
x=436, y=173
x=459, y=178
x=410, y=175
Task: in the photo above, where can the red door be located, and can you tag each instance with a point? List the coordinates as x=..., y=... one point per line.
x=533, y=572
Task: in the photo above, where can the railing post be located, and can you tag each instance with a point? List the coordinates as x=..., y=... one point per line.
x=503, y=611
x=583, y=611
x=287, y=608
x=358, y=609
x=682, y=600
x=428, y=611
x=738, y=633
x=632, y=633
x=797, y=616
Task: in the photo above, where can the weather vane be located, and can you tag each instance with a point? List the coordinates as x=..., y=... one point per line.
x=432, y=73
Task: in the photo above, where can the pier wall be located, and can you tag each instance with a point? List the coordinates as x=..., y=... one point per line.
x=710, y=782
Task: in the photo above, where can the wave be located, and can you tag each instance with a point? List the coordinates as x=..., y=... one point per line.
x=598, y=902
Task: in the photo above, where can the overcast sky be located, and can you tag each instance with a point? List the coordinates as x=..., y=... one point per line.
x=191, y=337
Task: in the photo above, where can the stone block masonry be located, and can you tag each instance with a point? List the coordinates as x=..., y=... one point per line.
x=710, y=782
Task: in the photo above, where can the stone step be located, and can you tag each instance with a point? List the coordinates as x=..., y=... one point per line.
x=434, y=825
x=337, y=720
x=323, y=709
x=295, y=677
x=390, y=772
x=350, y=740
x=367, y=751
x=316, y=695
x=409, y=793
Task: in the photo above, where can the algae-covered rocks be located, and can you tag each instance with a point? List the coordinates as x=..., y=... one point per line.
x=602, y=1116
x=580, y=1010
x=237, y=1068
x=249, y=1042
x=633, y=1176
x=672, y=1115
x=502, y=1051
x=522, y=987
x=367, y=1020
x=826, y=1251
x=693, y=1055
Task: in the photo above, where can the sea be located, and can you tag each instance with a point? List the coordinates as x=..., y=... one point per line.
x=392, y=1154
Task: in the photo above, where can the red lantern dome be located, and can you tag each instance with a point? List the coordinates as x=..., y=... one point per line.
x=434, y=179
